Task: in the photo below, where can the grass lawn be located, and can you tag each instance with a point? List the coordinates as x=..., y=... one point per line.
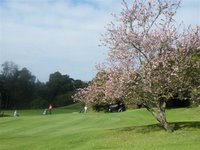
x=66, y=129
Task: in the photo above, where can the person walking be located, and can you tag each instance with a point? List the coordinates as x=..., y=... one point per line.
x=15, y=114
x=85, y=109
x=50, y=109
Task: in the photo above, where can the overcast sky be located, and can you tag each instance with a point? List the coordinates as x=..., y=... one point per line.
x=46, y=36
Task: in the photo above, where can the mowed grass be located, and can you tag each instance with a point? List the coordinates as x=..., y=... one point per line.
x=66, y=129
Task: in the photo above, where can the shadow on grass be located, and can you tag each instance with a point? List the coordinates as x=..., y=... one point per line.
x=184, y=125
x=158, y=127
x=5, y=115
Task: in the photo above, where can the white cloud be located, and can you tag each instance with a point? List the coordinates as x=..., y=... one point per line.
x=53, y=36
x=60, y=35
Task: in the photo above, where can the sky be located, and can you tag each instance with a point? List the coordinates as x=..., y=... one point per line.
x=46, y=36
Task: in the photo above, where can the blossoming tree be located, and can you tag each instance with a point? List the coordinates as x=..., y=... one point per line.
x=150, y=60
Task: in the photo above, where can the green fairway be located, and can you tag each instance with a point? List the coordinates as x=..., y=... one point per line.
x=66, y=129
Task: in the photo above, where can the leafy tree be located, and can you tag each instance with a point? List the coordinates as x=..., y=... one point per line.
x=59, y=84
x=41, y=90
x=79, y=84
x=1, y=91
x=17, y=88
x=8, y=78
x=9, y=69
x=25, y=86
x=60, y=88
x=150, y=59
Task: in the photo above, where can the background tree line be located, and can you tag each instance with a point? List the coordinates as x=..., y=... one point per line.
x=20, y=89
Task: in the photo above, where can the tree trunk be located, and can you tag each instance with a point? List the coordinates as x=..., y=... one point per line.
x=162, y=119
x=160, y=115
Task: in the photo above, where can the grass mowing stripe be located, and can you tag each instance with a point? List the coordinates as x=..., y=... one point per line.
x=133, y=129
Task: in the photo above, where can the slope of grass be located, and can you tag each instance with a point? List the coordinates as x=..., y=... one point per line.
x=70, y=130
x=74, y=108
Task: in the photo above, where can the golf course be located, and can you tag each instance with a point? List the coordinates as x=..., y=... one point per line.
x=67, y=129
x=99, y=75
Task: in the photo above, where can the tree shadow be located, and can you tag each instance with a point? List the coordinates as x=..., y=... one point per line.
x=184, y=125
x=5, y=115
x=142, y=129
x=2, y=114
x=157, y=127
